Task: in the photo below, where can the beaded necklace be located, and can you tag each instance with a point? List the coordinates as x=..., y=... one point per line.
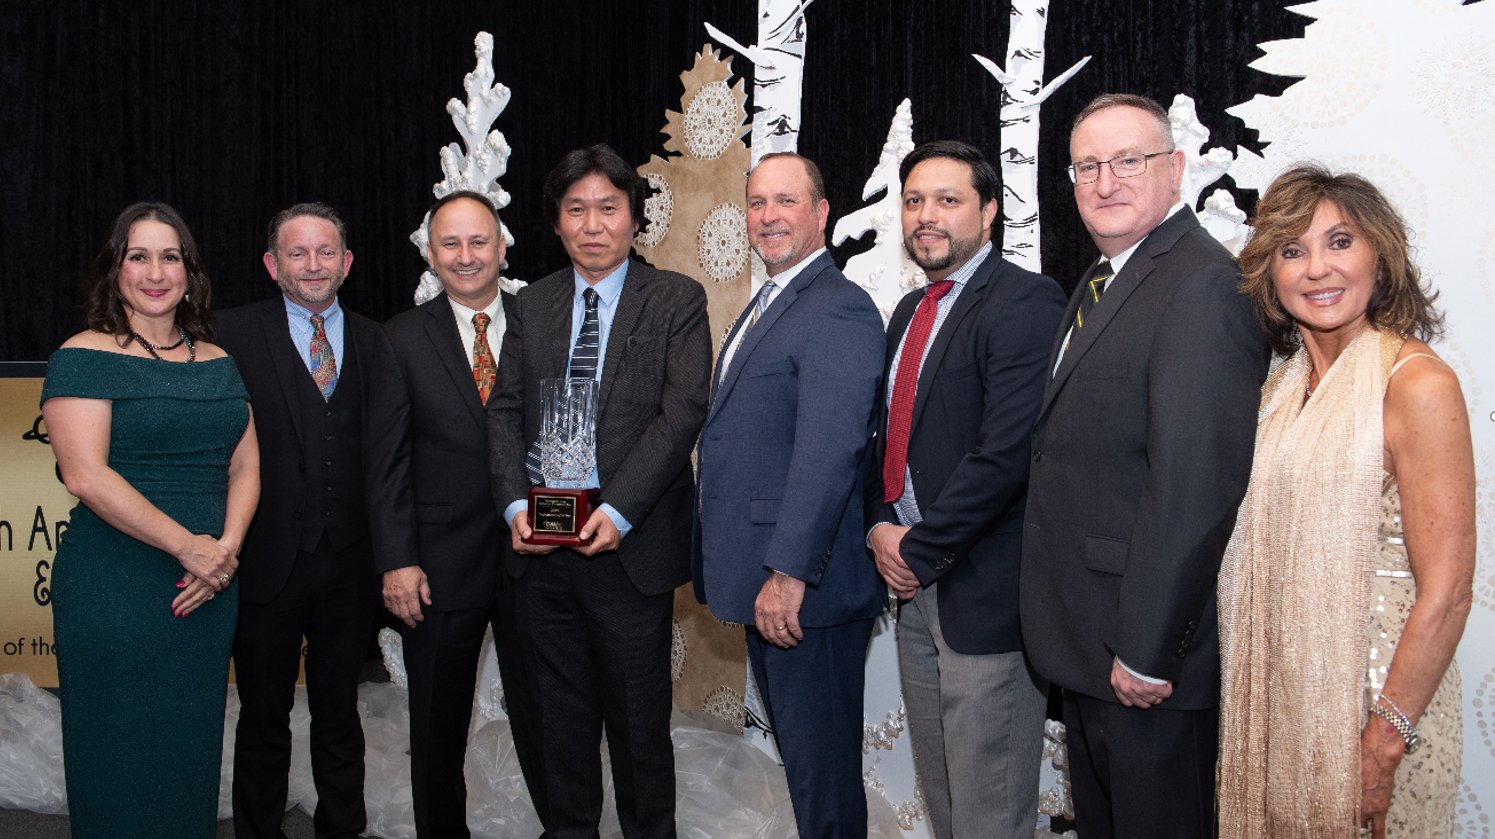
x=152, y=348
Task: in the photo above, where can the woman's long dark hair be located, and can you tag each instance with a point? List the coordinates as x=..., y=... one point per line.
x=104, y=309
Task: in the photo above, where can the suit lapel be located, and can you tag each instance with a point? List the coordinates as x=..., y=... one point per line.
x=284, y=359
x=718, y=384
x=1133, y=274
x=446, y=344
x=970, y=296
x=625, y=320
x=781, y=302
x=553, y=322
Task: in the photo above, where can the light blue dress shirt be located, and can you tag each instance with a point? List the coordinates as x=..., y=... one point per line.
x=608, y=289
x=299, y=319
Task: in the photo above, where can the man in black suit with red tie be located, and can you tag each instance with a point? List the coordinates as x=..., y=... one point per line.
x=945, y=501
x=450, y=589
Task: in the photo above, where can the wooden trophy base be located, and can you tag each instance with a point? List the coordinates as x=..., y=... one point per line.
x=557, y=515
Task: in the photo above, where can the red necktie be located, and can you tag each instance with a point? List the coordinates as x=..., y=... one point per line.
x=901, y=410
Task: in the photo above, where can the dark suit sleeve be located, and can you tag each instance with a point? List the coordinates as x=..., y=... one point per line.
x=993, y=476
x=659, y=453
x=505, y=411
x=386, y=440
x=838, y=377
x=402, y=481
x=874, y=510
x=1204, y=371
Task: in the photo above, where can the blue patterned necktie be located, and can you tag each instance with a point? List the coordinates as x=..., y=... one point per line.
x=323, y=364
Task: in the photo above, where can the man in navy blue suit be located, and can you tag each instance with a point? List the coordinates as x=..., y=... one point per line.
x=779, y=542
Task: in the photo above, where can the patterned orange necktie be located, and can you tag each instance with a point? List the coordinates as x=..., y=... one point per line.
x=484, y=368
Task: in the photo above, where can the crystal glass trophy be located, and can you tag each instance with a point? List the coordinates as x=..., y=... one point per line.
x=560, y=507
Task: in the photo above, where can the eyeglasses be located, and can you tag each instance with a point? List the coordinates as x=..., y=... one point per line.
x=1124, y=166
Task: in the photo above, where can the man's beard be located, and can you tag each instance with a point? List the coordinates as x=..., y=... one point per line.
x=293, y=287
x=957, y=250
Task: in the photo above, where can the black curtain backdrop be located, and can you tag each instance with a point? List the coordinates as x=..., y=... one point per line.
x=233, y=110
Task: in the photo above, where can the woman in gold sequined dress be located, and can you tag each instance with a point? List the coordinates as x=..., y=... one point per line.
x=1348, y=579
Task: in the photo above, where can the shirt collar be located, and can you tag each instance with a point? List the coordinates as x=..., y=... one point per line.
x=960, y=276
x=465, y=314
x=1119, y=260
x=296, y=310
x=608, y=288
x=784, y=278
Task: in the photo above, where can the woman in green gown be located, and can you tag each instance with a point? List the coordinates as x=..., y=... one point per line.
x=152, y=431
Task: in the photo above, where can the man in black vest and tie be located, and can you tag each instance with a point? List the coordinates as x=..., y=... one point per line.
x=331, y=414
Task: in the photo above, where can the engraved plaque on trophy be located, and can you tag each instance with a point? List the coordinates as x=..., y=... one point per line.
x=560, y=507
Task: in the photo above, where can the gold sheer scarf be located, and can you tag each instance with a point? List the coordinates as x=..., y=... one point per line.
x=1295, y=600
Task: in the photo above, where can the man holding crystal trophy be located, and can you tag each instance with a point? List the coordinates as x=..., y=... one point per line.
x=601, y=392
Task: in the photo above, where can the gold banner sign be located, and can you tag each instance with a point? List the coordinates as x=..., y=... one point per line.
x=34, y=509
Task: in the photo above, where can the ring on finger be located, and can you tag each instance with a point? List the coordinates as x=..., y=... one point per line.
x=211, y=595
x=223, y=578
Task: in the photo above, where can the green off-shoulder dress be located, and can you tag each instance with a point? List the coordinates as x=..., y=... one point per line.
x=142, y=690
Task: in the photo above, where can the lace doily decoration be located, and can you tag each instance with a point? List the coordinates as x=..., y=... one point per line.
x=677, y=651
x=711, y=121
x=658, y=208
x=725, y=704
x=722, y=243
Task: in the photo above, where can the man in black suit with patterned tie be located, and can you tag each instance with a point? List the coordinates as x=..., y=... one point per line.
x=450, y=589
x=595, y=622
x=331, y=416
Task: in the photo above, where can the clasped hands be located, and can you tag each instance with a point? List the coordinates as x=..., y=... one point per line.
x=886, y=539
x=598, y=525
x=210, y=565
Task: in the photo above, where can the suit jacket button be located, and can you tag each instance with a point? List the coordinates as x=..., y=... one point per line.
x=1037, y=456
x=296, y=514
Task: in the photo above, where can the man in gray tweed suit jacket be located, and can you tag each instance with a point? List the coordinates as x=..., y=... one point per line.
x=595, y=623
